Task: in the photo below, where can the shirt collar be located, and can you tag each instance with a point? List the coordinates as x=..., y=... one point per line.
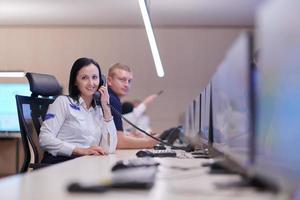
x=81, y=101
x=110, y=91
x=83, y=104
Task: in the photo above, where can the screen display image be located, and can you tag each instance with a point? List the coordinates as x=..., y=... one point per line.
x=232, y=110
x=202, y=114
x=8, y=109
x=197, y=118
x=195, y=138
x=278, y=139
x=191, y=121
x=217, y=107
x=206, y=114
x=188, y=121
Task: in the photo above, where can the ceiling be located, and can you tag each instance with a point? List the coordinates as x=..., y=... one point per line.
x=127, y=13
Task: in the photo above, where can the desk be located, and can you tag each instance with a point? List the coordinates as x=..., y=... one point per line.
x=15, y=137
x=196, y=183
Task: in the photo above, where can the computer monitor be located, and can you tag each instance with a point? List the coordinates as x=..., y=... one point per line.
x=188, y=121
x=192, y=120
x=195, y=138
x=204, y=128
x=219, y=105
x=202, y=114
x=277, y=158
x=197, y=118
x=194, y=102
x=233, y=106
x=206, y=118
x=8, y=109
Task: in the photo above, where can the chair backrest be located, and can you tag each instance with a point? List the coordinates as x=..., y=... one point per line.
x=31, y=113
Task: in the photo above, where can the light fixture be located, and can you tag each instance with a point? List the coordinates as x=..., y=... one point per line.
x=151, y=38
x=12, y=74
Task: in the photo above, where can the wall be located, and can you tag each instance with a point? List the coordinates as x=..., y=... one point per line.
x=190, y=57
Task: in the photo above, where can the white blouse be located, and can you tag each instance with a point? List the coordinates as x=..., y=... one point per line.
x=68, y=125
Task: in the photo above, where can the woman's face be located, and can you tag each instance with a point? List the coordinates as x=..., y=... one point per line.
x=87, y=80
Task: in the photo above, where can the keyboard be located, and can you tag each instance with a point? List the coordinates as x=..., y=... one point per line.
x=133, y=163
x=164, y=153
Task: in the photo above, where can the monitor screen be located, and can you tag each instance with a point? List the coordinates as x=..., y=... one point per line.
x=278, y=138
x=219, y=105
x=232, y=106
x=193, y=116
x=192, y=107
x=195, y=136
x=197, y=102
x=185, y=124
x=188, y=123
x=206, y=117
x=202, y=114
x=8, y=109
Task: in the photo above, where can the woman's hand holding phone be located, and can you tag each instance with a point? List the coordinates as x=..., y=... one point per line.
x=104, y=98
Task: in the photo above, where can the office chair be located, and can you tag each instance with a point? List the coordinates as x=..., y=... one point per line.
x=31, y=113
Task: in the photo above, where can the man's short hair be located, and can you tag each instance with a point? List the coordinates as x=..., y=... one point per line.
x=111, y=71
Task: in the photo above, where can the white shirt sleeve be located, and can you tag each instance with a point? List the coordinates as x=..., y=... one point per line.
x=54, y=119
x=109, y=137
x=139, y=110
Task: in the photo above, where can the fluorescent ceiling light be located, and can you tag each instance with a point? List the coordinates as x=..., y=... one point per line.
x=12, y=74
x=151, y=38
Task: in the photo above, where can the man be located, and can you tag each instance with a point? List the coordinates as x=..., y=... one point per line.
x=119, y=81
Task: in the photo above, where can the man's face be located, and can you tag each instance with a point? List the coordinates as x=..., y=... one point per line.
x=120, y=82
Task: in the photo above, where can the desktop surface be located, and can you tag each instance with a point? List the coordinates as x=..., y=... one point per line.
x=176, y=179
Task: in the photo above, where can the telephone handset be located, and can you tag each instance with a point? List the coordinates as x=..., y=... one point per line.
x=97, y=95
x=171, y=134
x=102, y=80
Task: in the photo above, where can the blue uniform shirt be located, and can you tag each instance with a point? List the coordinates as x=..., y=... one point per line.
x=115, y=101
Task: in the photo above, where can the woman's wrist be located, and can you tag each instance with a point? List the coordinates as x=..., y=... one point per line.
x=104, y=102
x=108, y=119
x=77, y=151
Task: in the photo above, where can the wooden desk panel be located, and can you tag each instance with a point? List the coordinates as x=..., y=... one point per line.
x=11, y=153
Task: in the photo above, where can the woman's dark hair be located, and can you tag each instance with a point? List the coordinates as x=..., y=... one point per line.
x=78, y=64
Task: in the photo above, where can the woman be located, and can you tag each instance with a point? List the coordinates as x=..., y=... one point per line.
x=74, y=125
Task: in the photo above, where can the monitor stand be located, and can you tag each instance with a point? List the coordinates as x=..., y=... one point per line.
x=197, y=152
x=217, y=167
x=201, y=153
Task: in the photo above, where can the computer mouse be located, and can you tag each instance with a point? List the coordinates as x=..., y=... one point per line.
x=144, y=153
x=119, y=165
x=137, y=162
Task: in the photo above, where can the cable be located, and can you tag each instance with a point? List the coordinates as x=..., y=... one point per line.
x=143, y=131
x=97, y=96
